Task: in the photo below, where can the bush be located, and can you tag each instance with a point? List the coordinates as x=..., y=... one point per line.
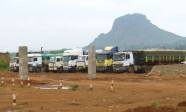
x=154, y=104
x=4, y=66
x=2, y=85
x=73, y=87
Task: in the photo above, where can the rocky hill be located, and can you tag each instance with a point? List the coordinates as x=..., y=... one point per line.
x=135, y=31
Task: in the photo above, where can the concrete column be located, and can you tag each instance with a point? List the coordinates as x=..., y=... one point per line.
x=23, y=62
x=91, y=62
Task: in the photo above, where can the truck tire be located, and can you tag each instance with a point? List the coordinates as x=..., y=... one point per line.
x=38, y=69
x=46, y=69
x=60, y=70
x=131, y=69
x=111, y=69
x=147, y=69
x=55, y=71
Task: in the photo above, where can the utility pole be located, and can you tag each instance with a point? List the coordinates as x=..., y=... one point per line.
x=91, y=62
x=23, y=62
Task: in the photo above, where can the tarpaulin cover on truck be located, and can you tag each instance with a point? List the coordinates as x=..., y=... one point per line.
x=48, y=56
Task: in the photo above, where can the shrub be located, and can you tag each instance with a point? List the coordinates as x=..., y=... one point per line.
x=73, y=87
x=154, y=104
x=4, y=66
x=2, y=85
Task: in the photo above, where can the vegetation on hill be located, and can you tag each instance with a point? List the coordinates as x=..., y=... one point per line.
x=135, y=31
x=57, y=51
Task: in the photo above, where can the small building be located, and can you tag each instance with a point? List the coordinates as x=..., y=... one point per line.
x=5, y=57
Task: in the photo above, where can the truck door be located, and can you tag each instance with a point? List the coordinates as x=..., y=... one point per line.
x=127, y=60
x=58, y=60
x=35, y=61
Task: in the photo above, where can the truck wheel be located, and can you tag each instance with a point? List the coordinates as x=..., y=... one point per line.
x=147, y=69
x=15, y=70
x=55, y=71
x=111, y=69
x=37, y=70
x=46, y=69
x=60, y=70
x=131, y=69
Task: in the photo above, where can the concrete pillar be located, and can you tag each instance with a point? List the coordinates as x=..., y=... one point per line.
x=23, y=62
x=91, y=62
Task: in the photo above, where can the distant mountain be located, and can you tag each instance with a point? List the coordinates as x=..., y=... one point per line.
x=135, y=31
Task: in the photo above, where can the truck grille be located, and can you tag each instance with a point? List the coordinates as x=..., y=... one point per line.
x=100, y=64
x=117, y=65
x=65, y=63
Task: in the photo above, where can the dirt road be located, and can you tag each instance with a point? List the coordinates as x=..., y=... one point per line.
x=130, y=91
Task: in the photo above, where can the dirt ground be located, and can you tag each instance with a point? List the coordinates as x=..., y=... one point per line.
x=132, y=93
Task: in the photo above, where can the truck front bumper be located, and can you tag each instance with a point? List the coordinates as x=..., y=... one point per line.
x=52, y=69
x=119, y=68
x=14, y=68
x=103, y=68
x=81, y=68
x=69, y=68
x=31, y=69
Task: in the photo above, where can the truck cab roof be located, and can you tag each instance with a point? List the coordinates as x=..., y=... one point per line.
x=34, y=55
x=109, y=50
x=74, y=52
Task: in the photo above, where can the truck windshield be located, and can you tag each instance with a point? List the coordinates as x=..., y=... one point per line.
x=12, y=60
x=29, y=59
x=101, y=57
x=66, y=58
x=81, y=58
x=52, y=59
x=118, y=57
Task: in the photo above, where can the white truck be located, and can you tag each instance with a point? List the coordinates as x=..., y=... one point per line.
x=145, y=60
x=82, y=63
x=14, y=64
x=70, y=59
x=123, y=61
x=56, y=64
x=34, y=62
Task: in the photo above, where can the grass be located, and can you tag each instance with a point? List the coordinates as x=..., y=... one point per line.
x=4, y=66
x=42, y=108
x=22, y=86
x=169, y=74
x=73, y=87
x=154, y=104
x=2, y=85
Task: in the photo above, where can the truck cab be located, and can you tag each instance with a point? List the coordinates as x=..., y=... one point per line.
x=123, y=61
x=34, y=62
x=14, y=64
x=70, y=58
x=82, y=63
x=104, y=59
x=56, y=64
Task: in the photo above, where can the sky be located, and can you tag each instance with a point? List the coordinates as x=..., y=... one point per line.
x=57, y=24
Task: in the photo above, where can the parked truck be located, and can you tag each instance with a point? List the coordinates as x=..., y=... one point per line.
x=104, y=59
x=14, y=64
x=82, y=63
x=56, y=63
x=40, y=62
x=144, y=60
x=34, y=62
x=70, y=59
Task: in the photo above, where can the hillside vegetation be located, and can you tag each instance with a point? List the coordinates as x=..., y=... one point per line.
x=135, y=31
